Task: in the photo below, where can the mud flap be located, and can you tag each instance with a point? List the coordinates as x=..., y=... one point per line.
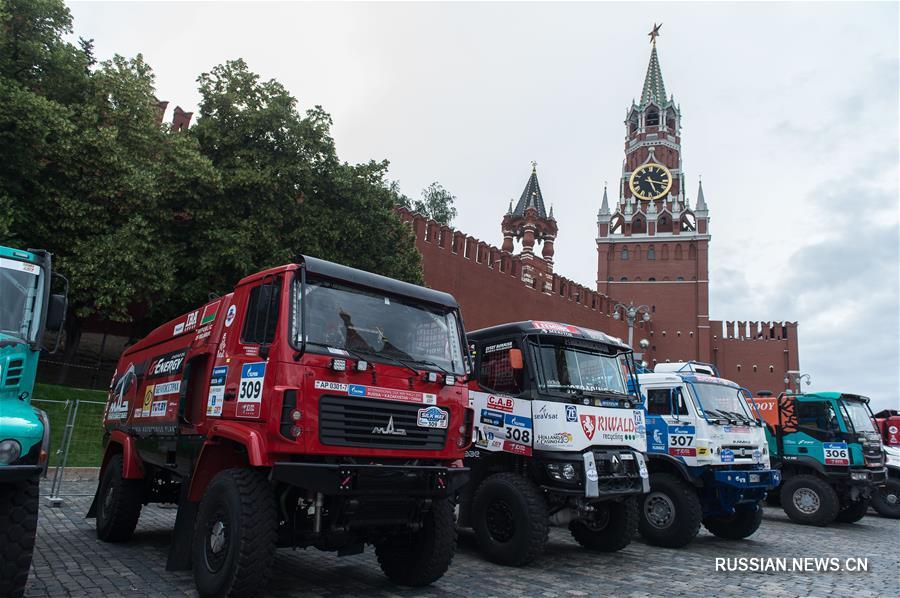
x=92, y=511
x=180, y=549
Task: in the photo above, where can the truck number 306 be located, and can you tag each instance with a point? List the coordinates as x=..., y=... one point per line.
x=250, y=390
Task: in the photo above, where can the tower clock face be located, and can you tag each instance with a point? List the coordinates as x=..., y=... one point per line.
x=650, y=181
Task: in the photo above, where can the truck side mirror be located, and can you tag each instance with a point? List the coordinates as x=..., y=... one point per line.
x=56, y=312
x=515, y=359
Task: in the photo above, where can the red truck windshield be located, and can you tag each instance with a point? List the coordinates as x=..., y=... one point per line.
x=344, y=317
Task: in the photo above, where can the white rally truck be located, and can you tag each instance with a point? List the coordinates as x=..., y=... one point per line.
x=707, y=455
x=560, y=437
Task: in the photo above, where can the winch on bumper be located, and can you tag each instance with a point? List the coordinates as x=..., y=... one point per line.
x=595, y=473
x=424, y=481
x=749, y=479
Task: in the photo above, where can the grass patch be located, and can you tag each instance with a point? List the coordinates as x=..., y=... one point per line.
x=86, y=447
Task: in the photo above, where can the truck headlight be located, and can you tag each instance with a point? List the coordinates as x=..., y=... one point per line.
x=562, y=472
x=859, y=475
x=9, y=451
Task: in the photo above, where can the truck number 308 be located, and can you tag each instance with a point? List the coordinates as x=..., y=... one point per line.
x=250, y=390
x=519, y=435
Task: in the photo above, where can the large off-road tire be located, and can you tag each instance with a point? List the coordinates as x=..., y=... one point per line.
x=509, y=516
x=119, y=503
x=670, y=514
x=886, y=500
x=18, y=524
x=741, y=524
x=421, y=558
x=852, y=511
x=613, y=532
x=235, y=534
x=809, y=500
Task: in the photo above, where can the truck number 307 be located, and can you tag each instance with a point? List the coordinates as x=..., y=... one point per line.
x=681, y=440
x=519, y=435
x=250, y=390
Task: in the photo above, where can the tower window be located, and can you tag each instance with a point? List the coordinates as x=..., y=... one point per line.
x=651, y=253
x=652, y=117
x=638, y=226
x=624, y=279
x=651, y=279
x=624, y=255
x=680, y=279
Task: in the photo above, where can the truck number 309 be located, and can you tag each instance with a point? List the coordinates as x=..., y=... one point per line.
x=250, y=390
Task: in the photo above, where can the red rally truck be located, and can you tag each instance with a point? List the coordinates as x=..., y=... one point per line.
x=315, y=405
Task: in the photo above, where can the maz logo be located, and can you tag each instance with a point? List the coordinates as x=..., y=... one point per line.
x=389, y=430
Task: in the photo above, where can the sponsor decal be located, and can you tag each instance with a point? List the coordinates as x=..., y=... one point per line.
x=589, y=426
x=657, y=436
x=556, y=439
x=159, y=408
x=836, y=453
x=892, y=429
x=335, y=351
x=166, y=365
x=543, y=413
x=571, y=413
x=556, y=328
x=495, y=444
x=702, y=451
x=216, y=397
x=736, y=430
x=517, y=421
x=191, y=321
x=615, y=423
x=389, y=429
x=209, y=313
x=432, y=417
x=491, y=418
x=515, y=448
x=498, y=347
x=333, y=386
x=179, y=328
x=377, y=392
x=500, y=403
x=204, y=332
x=229, y=315
x=727, y=456
x=249, y=397
x=221, y=352
x=148, y=402
x=472, y=454
x=167, y=388
x=17, y=265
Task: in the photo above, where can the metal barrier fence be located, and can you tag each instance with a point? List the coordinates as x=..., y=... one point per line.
x=76, y=438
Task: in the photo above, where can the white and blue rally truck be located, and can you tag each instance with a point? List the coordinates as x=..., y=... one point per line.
x=707, y=455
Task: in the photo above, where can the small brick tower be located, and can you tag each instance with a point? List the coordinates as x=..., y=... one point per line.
x=530, y=223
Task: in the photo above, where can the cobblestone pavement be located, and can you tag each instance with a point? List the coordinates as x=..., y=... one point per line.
x=70, y=561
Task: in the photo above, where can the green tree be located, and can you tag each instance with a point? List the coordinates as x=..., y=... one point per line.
x=436, y=203
x=284, y=190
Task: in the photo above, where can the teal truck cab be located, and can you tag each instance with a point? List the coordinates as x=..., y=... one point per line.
x=707, y=455
x=27, y=310
x=830, y=455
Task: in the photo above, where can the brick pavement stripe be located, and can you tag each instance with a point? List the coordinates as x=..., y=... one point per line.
x=70, y=561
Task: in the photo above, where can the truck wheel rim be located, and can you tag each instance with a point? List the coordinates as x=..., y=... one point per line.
x=659, y=510
x=892, y=499
x=108, y=499
x=216, y=544
x=806, y=500
x=500, y=521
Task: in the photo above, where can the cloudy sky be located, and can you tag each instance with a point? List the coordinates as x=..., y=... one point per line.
x=790, y=114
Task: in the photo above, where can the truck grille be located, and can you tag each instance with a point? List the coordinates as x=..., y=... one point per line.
x=14, y=372
x=373, y=423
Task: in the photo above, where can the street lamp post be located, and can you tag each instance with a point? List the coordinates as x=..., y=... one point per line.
x=631, y=313
x=796, y=377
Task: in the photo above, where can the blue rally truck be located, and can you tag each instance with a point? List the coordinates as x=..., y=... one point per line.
x=707, y=455
x=27, y=310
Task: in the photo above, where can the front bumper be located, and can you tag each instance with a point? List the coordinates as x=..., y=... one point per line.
x=866, y=477
x=748, y=479
x=602, y=473
x=422, y=481
x=17, y=473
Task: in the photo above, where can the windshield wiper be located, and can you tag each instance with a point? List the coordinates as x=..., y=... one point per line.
x=391, y=358
x=723, y=415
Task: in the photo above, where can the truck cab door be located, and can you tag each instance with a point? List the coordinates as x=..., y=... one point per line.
x=671, y=425
x=250, y=336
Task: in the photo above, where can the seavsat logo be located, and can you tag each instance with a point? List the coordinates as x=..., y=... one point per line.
x=501, y=403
